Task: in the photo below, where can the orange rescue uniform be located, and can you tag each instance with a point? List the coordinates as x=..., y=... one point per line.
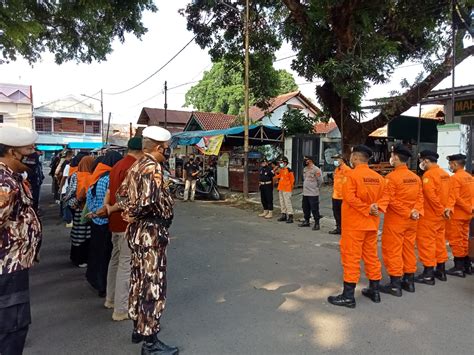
x=403, y=193
x=339, y=174
x=361, y=188
x=431, y=226
x=461, y=202
x=287, y=180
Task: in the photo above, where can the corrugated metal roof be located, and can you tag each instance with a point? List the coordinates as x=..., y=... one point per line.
x=156, y=117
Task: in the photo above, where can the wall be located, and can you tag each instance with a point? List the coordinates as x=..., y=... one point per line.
x=14, y=114
x=275, y=118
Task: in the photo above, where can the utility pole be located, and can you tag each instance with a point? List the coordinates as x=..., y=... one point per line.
x=246, y=103
x=453, y=101
x=166, y=104
x=108, y=127
x=102, y=114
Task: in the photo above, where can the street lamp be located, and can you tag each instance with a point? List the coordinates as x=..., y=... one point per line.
x=101, y=100
x=246, y=95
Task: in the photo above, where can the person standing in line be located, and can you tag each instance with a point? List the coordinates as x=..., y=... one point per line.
x=266, y=189
x=190, y=175
x=148, y=207
x=339, y=172
x=20, y=238
x=430, y=237
x=35, y=176
x=459, y=213
x=312, y=181
x=361, y=189
x=285, y=189
x=402, y=204
x=118, y=275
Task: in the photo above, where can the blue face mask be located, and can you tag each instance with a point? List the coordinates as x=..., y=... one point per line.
x=336, y=163
x=282, y=165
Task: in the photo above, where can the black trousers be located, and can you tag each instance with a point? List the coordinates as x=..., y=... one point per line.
x=336, y=210
x=266, y=195
x=311, y=206
x=100, y=250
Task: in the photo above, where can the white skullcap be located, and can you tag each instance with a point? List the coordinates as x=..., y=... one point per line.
x=17, y=136
x=156, y=133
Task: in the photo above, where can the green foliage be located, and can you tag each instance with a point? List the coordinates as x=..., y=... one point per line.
x=296, y=122
x=81, y=30
x=222, y=88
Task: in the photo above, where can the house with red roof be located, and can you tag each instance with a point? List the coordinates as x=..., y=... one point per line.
x=206, y=121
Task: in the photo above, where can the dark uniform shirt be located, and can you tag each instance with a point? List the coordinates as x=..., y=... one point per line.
x=266, y=174
x=191, y=168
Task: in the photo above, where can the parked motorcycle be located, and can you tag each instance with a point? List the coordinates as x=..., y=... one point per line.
x=206, y=187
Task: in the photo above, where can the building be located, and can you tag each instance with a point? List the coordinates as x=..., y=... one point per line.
x=206, y=121
x=175, y=121
x=16, y=105
x=68, y=122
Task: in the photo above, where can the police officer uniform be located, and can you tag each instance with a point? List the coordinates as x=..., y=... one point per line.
x=266, y=189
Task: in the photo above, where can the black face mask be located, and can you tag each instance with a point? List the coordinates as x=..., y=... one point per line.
x=306, y=162
x=167, y=153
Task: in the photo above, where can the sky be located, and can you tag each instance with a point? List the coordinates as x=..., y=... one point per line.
x=134, y=60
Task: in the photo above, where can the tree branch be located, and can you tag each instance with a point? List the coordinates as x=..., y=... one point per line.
x=397, y=105
x=299, y=14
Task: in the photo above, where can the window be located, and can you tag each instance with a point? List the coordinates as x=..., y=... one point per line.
x=43, y=124
x=58, y=126
x=1, y=118
x=92, y=127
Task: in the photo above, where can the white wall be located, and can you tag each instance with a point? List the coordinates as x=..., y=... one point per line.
x=276, y=116
x=452, y=139
x=18, y=115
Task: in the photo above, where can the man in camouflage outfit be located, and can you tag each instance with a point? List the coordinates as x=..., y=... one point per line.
x=20, y=236
x=148, y=207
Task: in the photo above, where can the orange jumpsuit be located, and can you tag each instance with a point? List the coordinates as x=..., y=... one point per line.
x=461, y=202
x=403, y=193
x=360, y=189
x=338, y=180
x=431, y=226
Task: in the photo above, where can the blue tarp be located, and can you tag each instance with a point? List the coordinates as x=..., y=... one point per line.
x=49, y=148
x=84, y=145
x=193, y=137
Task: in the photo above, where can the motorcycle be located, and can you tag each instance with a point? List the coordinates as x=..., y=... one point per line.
x=206, y=187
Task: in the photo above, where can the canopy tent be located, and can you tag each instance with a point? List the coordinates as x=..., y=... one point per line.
x=84, y=145
x=49, y=148
x=258, y=135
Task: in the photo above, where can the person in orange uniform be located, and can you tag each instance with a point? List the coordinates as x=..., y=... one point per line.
x=430, y=238
x=285, y=190
x=361, y=188
x=341, y=169
x=459, y=211
x=402, y=204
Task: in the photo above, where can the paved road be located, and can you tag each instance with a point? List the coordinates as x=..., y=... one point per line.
x=241, y=285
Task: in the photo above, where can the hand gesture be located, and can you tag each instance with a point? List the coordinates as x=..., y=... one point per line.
x=127, y=218
x=447, y=213
x=415, y=215
x=374, y=209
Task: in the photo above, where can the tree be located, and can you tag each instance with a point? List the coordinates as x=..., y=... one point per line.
x=294, y=121
x=349, y=44
x=222, y=88
x=81, y=30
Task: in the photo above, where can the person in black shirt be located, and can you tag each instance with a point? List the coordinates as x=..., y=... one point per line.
x=190, y=174
x=266, y=189
x=35, y=176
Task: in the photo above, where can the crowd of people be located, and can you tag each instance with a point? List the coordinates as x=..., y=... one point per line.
x=119, y=211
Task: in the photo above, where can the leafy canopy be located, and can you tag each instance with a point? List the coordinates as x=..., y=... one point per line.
x=295, y=121
x=81, y=30
x=222, y=88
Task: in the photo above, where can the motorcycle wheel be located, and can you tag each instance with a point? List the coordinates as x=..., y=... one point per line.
x=179, y=193
x=215, y=194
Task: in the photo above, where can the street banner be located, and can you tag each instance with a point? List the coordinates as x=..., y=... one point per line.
x=214, y=145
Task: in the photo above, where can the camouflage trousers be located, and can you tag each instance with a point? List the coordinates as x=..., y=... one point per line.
x=147, y=288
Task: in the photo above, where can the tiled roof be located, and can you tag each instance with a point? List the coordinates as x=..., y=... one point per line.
x=156, y=116
x=324, y=128
x=257, y=113
x=213, y=120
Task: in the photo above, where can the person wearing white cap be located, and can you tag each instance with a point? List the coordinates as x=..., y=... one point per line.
x=20, y=229
x=148, y=207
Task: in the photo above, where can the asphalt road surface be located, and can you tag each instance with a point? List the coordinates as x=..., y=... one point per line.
x=240, y=285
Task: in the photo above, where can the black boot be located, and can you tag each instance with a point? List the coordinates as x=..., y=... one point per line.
x=305, y=223
x=372, y=291
x=316, y=226
x=426, y=277
x=282, y=218
x=408, y=282
x=394, y=287
x=458, y=269
x=440, y=272
x=346, y=298
x=290, y=219
x=467, y=265
x=336, y=231
x=153, y=346
x=136, y=337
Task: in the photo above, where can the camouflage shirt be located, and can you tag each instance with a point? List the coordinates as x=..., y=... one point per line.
x=20, y=228
x=144, y=197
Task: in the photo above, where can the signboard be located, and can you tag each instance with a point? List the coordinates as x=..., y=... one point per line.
x=210, y=145
x=464, y=107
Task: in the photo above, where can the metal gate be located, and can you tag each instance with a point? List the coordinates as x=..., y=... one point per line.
x=303, y=145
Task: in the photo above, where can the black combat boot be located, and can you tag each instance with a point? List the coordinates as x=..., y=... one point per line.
x=467, y=265
x=290, y=219
x=336, y=231
x=458, y=269
x=136, y=337
x=153, y=346
x=305, y=223
x=440, y=272
x=346, y=298
x=394, y=287
x=408, y=282
x=372, y=291
x=282, y=218
x=426, y=277
x=316, y=226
